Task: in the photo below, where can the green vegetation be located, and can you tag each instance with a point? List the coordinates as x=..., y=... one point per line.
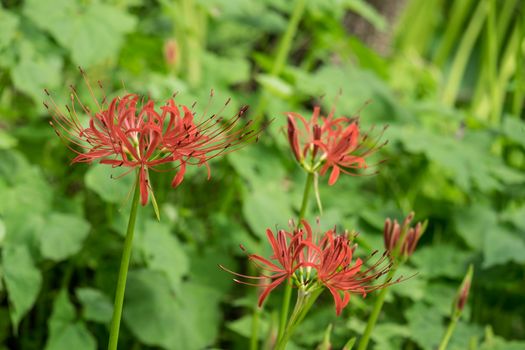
x=451, y=88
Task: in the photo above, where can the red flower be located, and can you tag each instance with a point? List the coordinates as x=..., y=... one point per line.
x=316, y=262
x=281, y=265
x=130, y=132
x=324, y=143
x=342, y=275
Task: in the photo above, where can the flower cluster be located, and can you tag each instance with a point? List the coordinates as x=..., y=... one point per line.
x=130, y=132
x=402, y=238
x=315, y=261
x=324, y=143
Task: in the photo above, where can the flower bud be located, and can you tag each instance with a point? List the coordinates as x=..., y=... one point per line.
x=402, y=238
x=293, y=138
x=463, y=292
x=171, y=51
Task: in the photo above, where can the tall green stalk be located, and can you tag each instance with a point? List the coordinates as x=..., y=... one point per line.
x=458, y=14
x=463, y=53
x=283, y=50
x=304, y=303
x=123, y=272
x=448, y=334
x=285, y=307
x=372, y=320
x=519, y=90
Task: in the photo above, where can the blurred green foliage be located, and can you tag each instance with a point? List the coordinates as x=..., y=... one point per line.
x=451, y=89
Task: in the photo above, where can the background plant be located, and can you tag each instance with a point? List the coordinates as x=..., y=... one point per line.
x=451, y=87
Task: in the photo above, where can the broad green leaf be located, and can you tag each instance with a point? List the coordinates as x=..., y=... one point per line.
x=441, y=296
x=233, y=70
x=265, y=207
x=474, y=222
x=64, y=332
x=514, y=129
x=425, y=325
x=414, y=287
x=248, y=162
x=502, y=246
x=93, y=32
x=163, y=252
x=8, y=27
x=243, y=326
x=516, y=216
x=158, y=317
x=33, y=73
x=339, y=88
x=97, y=306
x=388, y=336
x=499, y=343
x=104, y=181
x=441, y=260
x=22, y=279
x=63, y=236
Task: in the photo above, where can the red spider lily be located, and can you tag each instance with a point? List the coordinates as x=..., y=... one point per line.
x=410, y=236
x=315, y=262
x=130, y=132
x=338, y=272
x=282, y=264
x=324, y=143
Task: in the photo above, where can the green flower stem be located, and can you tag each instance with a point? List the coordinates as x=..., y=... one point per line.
x=123, y=272
x=448, y=333
x=303, y=304
x=283, y=51
x=254, y=340
x=363, y=343
x=285, y=307
x=306, y=195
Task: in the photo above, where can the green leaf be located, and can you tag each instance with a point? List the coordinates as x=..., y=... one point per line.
x=164, y=252
x=473, y=223
x=502, y=246
x=8, y=27
x=275, y=85
x=63, y=236
x=514, y=129
x=158, y=317
x=441, y=260
x=388, y=336
x=34, y=72
x=22, y=279
x=368, y=12
x=265, y=207
x=6, y=140
x=64, y=332
x=243, y=326
x=97, y=306
x=516, y=216
x=92, y=31
x=102, y=179
x=425, y=325
x=233, y=69
x=413, y=288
